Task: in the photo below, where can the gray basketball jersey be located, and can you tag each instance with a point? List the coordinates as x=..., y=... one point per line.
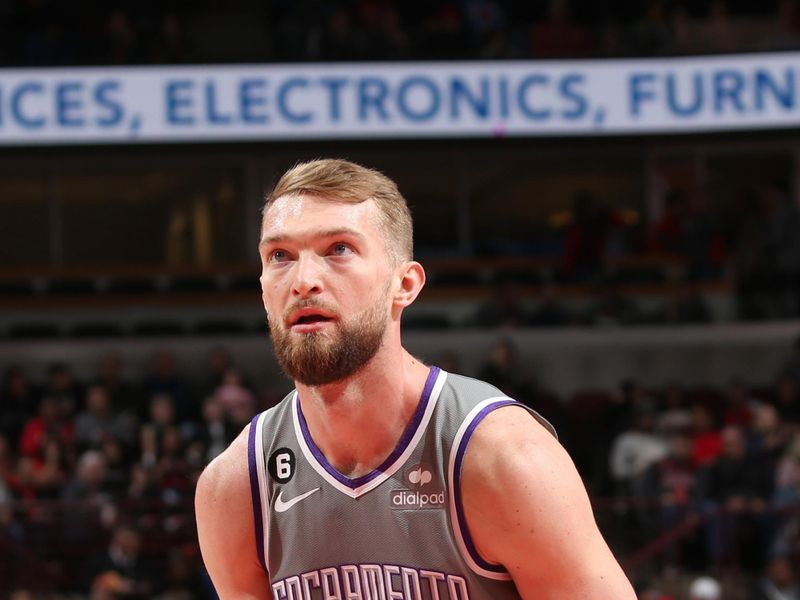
x=397, y=533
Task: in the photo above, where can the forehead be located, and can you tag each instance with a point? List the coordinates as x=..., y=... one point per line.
x=302, y=214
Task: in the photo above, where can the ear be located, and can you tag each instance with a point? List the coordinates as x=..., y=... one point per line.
x=411, y=278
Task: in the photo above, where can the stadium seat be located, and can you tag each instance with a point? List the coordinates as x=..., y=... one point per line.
x=158, y=328
x=96, y=329
x=245, y=283
x=34, y=330
x=71, y=287
x=194, y=284
x=132, y=286
x=219, y=327
x=22, y=287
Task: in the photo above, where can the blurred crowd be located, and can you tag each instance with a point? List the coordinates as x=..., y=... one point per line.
x=88, y=32
x=687, y=479
x=97, y=477
x=110, y=461
x=751, y=241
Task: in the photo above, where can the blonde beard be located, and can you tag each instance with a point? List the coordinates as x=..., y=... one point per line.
x=316, y=358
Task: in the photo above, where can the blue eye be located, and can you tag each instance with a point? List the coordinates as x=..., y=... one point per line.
x=341, y=249
x=277, y=256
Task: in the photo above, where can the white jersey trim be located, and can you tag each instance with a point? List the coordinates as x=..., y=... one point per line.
x=262, y=484
x=451, y=477
x=388, y=471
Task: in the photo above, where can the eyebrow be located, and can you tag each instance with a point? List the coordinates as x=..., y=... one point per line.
x=327, y=233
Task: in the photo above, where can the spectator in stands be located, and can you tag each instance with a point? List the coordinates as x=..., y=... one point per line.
x=787, y=496
x=219, y=361
x=673, y=416
x=668, y=488
x=98, y=423
x=785, y=34
x=503, y=309
x=6, y=459
x=504, y=371
x=651, y=33
x=151, y=434
x=121, y=38
x=669, y=231
x=62, y=386
x=88, y=499
x=750, y=240
x=216, y=431
x=174, y=470
x=779, y=582
x=164, y=378
x=635, y=450
x=704, y=242
x=706, y=438
x=121, y=571
x=50, y=424
x=590, y=227
x=237, y=400
x=444, y=34
x=89, y=483
x=559, y=35
x=684, y=35
x=734, y=488
x=717, y=31
x=18, y=402
x=739, y=405
x=341, y=38
x=171, y=46
x=123, y=394
x=181, y=580
x=783, y=222
x=768, y=436
x=787, y=398
x=12, y=541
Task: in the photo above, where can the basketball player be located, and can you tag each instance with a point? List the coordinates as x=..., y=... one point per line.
x=380, y=477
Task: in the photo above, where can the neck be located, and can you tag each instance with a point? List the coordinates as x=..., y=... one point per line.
x=357, y=422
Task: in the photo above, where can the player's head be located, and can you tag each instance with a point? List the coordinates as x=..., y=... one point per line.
x=336, y=249
x=344, y=181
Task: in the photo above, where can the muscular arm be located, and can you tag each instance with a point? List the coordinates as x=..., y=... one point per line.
x=527, y=509
x=225, y=527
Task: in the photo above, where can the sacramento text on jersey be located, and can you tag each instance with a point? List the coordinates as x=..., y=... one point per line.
x=371, y=582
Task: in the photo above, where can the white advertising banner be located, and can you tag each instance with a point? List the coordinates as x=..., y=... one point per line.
x=399, y=100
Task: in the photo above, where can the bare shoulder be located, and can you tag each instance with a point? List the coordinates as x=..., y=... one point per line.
x=226, y=525
x=227, y=476
x=523, y=498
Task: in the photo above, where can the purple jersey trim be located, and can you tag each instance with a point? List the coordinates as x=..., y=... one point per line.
x=402, y=444
x=462, y=521
x=254, y=491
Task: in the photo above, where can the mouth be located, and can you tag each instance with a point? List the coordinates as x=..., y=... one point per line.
x=309, y=320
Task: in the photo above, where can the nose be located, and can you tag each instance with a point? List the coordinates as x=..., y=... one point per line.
x=307, y=280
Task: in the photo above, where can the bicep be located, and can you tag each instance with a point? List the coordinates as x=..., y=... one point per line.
x=528, y=510
x=226, y=530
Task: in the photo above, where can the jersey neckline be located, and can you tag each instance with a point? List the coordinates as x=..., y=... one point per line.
x=357, y=486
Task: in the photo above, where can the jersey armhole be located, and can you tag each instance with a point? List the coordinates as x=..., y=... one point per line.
x=458, y=520
x=258, y=487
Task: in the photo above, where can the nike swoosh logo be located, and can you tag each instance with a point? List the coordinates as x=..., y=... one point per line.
x=282, y=506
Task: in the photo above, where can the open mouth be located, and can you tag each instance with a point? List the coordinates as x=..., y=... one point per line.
x=308, y=319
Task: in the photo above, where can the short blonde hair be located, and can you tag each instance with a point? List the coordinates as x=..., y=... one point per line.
x=345, y=181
